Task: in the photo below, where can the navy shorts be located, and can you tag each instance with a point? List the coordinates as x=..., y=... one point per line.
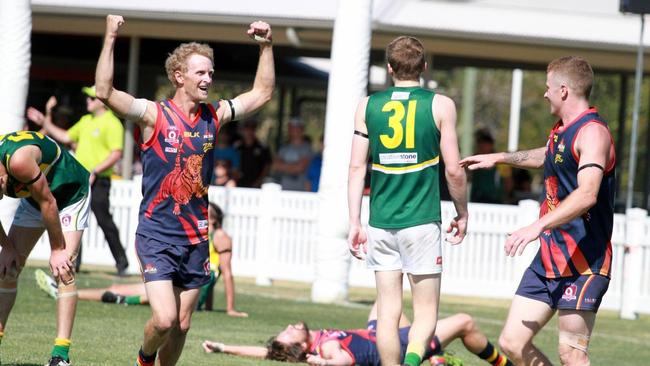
x=564, y=293
x=187, y=266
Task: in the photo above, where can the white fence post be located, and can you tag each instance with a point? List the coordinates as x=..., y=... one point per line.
x=632, y=261
x=528, y=213
x=263, y=243
x=134, y=218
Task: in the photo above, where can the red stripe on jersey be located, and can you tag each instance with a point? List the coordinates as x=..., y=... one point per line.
x=560, y=260
x=184, y=117
x=581, y=297
x=607, y=261
x=192, y=236
x=546, y=256
x=144, y=145
x=202, y=231
x=214, y=115
x=575, y=255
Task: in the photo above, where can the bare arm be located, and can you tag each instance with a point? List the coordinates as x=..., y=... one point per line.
x=24, y=166
x=527, y=159
x=445, y=113
x=223, y=245
x=254, y=99
x=246, y=351
x=593, y=146
x=110, y=160
x=356, y=176
x=330, y=354
x=45, y=120
x=298, y=167
x=118, y=101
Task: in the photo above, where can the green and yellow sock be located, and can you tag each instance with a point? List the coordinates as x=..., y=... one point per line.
x=493, y=356
x=61, y=348
x=133, y=300
x=2, y=334
x=414, y=354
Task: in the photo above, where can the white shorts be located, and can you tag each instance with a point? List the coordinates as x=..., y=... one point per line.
x=416, y=250
x=73, y=217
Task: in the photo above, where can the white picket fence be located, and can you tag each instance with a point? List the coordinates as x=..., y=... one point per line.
x=284, y=247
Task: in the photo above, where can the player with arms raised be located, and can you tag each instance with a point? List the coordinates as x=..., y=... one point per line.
x=177, y=137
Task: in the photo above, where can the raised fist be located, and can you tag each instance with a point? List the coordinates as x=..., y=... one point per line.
x=113, y=23
x=260, y=31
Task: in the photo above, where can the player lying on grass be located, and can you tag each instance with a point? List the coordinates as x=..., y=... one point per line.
x=334, y=347
x=125, y=293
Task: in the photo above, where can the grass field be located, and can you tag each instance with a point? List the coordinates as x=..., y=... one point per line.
x=107, y=334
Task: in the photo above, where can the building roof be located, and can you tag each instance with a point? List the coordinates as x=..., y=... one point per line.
x=504, y=30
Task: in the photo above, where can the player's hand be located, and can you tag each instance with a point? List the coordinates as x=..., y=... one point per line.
x=316, y=360
x=61, y=266
x=51, y=103
x=260, y=31
x=237, y=314
x=35, y=116
x=457, y=230
x=357, y=239
x=9, y=263
x=482, y=161
x=517, y=241
x=113, y=24
x=212, y=347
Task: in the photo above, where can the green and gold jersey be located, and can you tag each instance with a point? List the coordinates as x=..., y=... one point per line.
x=405, y=151
x=67, y=179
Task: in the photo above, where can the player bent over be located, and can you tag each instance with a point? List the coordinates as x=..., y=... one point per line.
x=53, y=190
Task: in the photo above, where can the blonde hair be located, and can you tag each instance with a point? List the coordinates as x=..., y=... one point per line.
x=575, y=71
x=406, y=57
x=177, y=60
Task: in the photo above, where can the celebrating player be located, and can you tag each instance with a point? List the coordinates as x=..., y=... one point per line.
x=53, y=189
x=177, y=137
x=571, y=271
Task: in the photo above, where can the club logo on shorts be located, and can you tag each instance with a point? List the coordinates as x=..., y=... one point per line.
x=570, y=292
x=439, y=260
x=66, y=220
x=150, y=268
x=206, y=266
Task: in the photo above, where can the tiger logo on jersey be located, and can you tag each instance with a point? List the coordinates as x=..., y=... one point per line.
x=181, y=184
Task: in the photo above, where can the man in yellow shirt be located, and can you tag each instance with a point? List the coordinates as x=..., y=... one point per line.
x=98, y=138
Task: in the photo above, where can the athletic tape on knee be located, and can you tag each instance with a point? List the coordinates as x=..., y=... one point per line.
x=67, y=289
x=8, y=290
x=575, y=340
x=137, y=110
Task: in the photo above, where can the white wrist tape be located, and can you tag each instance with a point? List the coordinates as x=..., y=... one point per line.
x=137, y=110
x=236, y=109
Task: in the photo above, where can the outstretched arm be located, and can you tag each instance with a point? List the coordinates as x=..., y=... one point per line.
x=246, y=351
x=118, y=101
x=356, y=177
x=45, y=121
x=527, y=159
x=593, y=146
x=249, y=102
x=445, y=114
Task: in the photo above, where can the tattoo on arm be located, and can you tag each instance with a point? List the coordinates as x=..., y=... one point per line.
x=517, y=157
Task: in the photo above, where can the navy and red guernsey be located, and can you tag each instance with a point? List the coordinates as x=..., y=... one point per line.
x=177, y=164
x=583, y=245
x=360, y=344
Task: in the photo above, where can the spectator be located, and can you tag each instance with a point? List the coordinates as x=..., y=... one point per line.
x=223, y=174
x=489, y=185
x=225, y=150
x=293, y=158
x=99, y=139
x=255, y=158
x=313, y=171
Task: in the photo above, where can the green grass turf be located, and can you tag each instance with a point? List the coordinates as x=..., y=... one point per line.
x=106, y=334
